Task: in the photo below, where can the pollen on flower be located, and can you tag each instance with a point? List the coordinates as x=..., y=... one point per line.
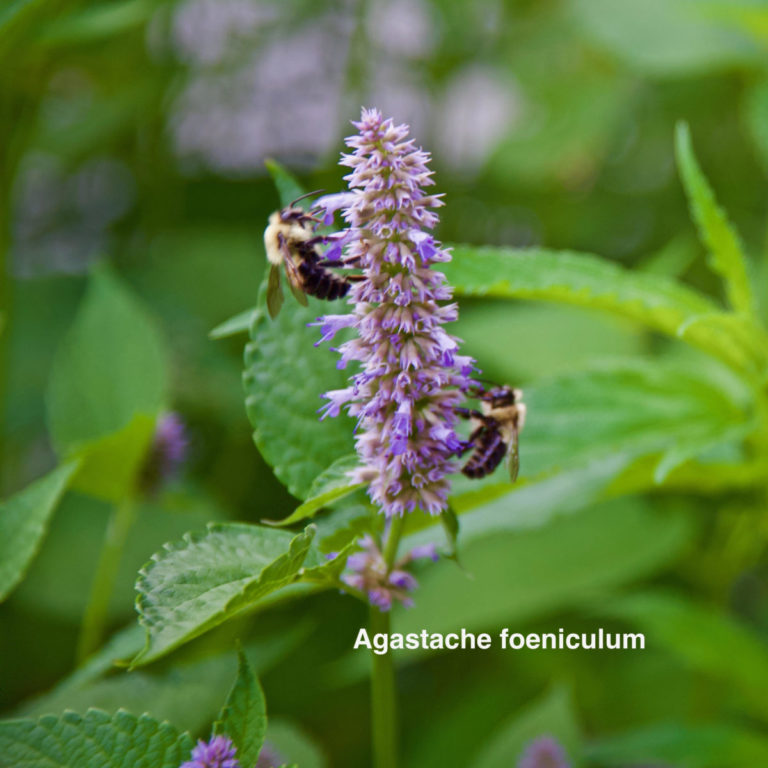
x=218, y=752
x=411, y=376
x=368, y=573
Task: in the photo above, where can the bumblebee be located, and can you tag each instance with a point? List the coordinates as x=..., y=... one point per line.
x=496, y=432
x=291, y=243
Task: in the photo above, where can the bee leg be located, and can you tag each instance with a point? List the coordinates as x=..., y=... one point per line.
x=469, y=413
x=470, y=441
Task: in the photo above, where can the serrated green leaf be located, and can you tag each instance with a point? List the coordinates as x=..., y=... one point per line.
x=579, y=279
x=285, y=376
x=703, y=638
x=551, y=716
x=209, y=577
x=93, y=740
x=715, y=231
x=626, y=408
x=24, y=521
x=711, y=745
x=288, y=187
x=110, y=367
x=330, y=485
x=737, y=338
x=244, y=716
x=240, y=323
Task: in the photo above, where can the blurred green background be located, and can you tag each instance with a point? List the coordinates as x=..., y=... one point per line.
x=136, y=132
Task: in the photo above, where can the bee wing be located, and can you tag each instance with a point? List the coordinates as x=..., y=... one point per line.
x=513, y=455
x=274, y=291
x=294, y=279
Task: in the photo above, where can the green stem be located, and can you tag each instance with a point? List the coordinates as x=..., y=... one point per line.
x=383, y=699
x=383, y=696
x=95, y=617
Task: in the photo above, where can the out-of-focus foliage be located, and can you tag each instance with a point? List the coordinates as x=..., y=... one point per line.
x=134, y=187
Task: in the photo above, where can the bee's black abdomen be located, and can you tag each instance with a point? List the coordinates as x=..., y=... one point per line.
x=320, y=282
x=490, y=450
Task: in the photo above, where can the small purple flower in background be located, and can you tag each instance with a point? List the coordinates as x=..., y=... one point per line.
x=413, y=376
x=369, y=574
x=219, y=752
x=544, y=752
x=167, y=454
x=269, y=758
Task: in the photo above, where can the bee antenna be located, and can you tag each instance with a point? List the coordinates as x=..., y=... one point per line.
x=306, y=195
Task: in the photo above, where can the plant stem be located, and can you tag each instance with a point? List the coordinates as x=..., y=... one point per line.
x=383, y=701
x=383, y=696
x=95, y=617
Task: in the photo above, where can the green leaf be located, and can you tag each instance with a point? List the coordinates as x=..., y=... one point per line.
x=718, y=236
x=98, y=23
x=712, y=745
x=520, y=575
x=291, y=742
x=552, y=716
x=631, y=408
x=498, y=508
x=288, y=187
x=240, y=323
x=244, y=717
x=93, y=740
x=705, y=639
x=24, y=522
x=733, y=338
x=110, y=367
x=207, y=578
x=324, y=572
x=110, y=466
x=664, y=37
x=756, y=117
x=574, y=278
x=330, y=485
x=285, y=376
x=187, y=692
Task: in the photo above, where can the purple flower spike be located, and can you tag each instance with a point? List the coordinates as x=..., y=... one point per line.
x=167, y=454
x=544, y=753
x=219, y=752
x=368, y=573
x=412, y=376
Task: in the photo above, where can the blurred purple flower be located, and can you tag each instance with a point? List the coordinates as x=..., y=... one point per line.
x=258, y=84
x=544, y=752
x=413, y=376
x=369, y=574
x=269, y=757
x=219, y=752
x=168, y=452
